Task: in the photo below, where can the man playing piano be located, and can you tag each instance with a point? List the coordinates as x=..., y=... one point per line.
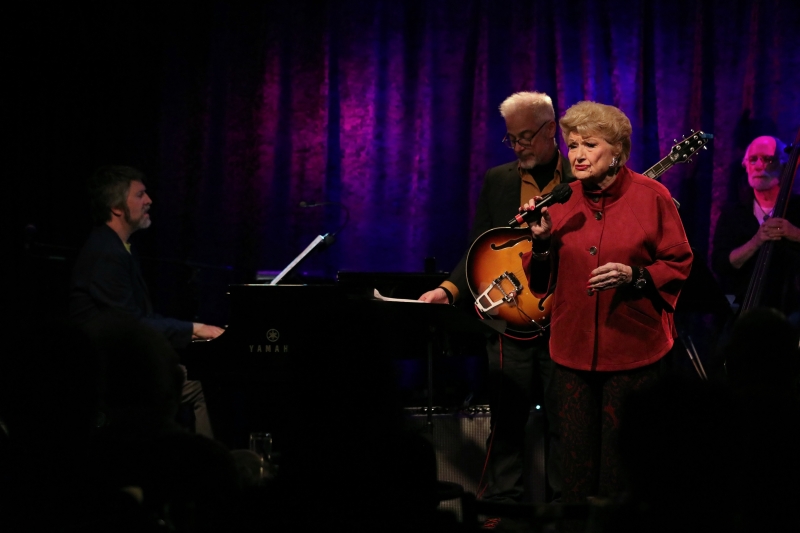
x=107, y=277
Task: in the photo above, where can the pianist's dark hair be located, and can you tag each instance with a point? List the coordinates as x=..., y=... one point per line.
x=108, y=187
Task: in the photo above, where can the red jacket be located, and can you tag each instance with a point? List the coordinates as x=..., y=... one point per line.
x=633, y=222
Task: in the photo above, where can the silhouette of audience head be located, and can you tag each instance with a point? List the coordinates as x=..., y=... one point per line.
x=705, y=456
x=188, y=481
x=680, y=441
x=191, y=482
x=50, y=384
x=347, y=446
x=141, y=376
x=762, y=352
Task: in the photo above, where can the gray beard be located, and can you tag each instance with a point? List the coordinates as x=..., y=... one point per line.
x=142, y=223
x=765, y=183
x=529, y=164
x=533, y=160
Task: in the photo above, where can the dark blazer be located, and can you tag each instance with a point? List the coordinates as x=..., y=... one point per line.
x=498, y=203
x=107, y=277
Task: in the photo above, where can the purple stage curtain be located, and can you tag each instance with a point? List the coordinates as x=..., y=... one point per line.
x=389, y=109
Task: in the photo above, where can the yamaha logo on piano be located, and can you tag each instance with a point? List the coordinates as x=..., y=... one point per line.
x=272, y=336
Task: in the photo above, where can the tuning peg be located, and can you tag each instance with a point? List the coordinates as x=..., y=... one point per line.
x=692, y=131
x=705, y=147
x=674, y=140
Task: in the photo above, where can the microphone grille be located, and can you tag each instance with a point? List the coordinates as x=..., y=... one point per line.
x=561, y=193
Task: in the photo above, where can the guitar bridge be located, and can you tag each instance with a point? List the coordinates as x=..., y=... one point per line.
x=507, y=284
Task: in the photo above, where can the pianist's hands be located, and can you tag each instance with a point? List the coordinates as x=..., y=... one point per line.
x=205, y=332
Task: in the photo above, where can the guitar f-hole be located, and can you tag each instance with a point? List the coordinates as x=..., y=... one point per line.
x=509, y=244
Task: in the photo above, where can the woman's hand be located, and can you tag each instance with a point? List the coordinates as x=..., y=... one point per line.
x=540, y=229
x=609, y=276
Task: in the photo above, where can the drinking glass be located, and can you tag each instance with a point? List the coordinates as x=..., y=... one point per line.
x=261, y=445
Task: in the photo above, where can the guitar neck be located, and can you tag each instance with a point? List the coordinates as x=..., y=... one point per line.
x=659, y=168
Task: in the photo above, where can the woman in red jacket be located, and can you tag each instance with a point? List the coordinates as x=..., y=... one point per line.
x=615, y=256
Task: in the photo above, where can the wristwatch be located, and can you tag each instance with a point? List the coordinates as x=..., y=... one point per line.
x=640, y=281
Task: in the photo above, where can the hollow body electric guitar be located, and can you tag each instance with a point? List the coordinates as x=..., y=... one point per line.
x=494, y=270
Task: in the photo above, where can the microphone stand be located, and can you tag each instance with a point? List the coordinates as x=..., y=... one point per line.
x=324, y=240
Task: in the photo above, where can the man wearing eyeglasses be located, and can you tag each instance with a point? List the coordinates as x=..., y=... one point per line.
x=515, y=366
x=742, y=229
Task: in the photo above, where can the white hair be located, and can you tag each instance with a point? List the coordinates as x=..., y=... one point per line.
x=780, y=150
x=539, y=103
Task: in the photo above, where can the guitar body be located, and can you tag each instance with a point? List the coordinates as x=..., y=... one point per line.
x=499, y=285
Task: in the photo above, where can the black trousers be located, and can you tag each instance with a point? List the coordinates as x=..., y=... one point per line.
x=588, y=411
x=519, y=373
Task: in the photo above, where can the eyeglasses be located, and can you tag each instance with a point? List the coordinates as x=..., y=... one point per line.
x=768, y=160
x=511, y=142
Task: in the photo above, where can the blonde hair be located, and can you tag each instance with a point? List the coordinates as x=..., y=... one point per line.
x=539, y=103
x=606, y=121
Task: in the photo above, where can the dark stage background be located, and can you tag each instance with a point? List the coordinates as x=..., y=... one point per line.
x=237, y=112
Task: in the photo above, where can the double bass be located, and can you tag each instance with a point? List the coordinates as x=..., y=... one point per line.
x=756, y=290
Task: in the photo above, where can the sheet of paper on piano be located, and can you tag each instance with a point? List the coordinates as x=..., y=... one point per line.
x=379, y=296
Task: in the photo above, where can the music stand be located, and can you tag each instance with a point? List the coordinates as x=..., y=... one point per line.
x=320, y=240
x=432, y=322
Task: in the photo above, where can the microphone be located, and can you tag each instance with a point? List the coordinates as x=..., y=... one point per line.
x=560, y=194
x=329, y=237
x=317, y=204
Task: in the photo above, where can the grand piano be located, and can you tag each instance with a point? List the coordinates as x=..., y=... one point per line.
x=291, y=352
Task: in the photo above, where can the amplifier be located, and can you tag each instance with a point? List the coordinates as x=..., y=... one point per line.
x=459, y=439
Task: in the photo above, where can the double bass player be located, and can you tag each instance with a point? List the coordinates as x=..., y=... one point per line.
x=744, y=228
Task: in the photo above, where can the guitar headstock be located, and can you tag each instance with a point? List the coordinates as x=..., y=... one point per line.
x=683, y=151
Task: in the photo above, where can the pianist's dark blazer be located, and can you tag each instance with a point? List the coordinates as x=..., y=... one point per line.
x=107, y=277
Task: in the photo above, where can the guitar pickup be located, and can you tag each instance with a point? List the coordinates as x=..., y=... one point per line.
x=507, y=285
